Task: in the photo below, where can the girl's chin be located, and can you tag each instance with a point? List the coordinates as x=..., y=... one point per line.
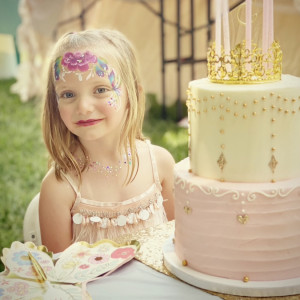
x=93, y=138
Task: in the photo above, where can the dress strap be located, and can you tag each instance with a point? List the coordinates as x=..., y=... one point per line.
x=154, y=166
x=72, y=184
x=75, y=188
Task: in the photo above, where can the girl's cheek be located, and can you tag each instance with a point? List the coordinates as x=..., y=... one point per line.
x=114, y=102
x=65, y=115
x=115, y=98
x=108, y=109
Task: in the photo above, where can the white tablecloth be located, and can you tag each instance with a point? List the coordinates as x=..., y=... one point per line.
x=136, y=281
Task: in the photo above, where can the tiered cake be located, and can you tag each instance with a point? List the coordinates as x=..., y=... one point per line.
x=237, y=196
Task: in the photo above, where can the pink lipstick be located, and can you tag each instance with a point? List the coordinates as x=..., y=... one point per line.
x=89, y=122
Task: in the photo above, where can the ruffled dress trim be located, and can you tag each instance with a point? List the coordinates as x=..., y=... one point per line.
x=93, y=220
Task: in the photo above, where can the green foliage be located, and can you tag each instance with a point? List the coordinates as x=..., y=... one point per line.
x=168, y=135
x=23, y=160
x=154, y=109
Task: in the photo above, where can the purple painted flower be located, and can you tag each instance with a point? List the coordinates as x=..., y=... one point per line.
x=78, y=61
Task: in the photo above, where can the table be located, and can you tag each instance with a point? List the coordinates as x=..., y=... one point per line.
x=137, y=281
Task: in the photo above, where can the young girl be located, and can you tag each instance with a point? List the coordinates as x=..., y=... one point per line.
x=105, y=179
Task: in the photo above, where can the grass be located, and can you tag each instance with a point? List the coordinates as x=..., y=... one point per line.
x=23, y=160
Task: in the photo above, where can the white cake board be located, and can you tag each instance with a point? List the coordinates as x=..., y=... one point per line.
x=227, y=286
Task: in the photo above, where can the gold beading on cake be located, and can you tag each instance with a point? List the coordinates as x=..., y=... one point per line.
x=242, y=66
x=221, y=161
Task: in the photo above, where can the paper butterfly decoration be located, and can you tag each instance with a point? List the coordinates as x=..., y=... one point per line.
x=32, y=273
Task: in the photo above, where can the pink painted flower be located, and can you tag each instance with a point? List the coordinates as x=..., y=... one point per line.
x=123, y=253
x=21, y=288
x=18, y=270
x=84, y=266
x=78, y=61
x=48, y=268
x=45, y=262
x=99, y=258
x=4, y=282
x=81, y=254
x=31, y=272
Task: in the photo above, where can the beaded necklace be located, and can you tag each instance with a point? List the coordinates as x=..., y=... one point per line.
x=106, y=170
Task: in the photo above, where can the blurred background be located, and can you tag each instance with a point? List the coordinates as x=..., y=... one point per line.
x=171, y=38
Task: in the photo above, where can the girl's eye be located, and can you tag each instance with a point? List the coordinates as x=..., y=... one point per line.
x=67, y=95
x=101, y=90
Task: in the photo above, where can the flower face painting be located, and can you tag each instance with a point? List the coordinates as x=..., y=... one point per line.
x=78, y=61
x=89, y=65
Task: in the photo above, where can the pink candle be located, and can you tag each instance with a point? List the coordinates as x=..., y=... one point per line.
x=268, y=30
x=271, y=28
x=271, y=17
x=248, y=24
x=218, y=26
x=226, y=26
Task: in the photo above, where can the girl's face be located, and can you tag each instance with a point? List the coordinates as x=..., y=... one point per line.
x=91, y=98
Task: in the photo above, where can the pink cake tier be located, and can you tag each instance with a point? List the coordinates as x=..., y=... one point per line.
x=237, y=231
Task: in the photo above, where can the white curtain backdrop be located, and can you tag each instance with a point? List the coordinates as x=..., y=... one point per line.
x=42, y=19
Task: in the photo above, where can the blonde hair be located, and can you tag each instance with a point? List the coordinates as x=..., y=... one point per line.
x=60, y=142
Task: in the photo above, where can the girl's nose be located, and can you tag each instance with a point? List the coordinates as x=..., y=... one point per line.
x=85, y=105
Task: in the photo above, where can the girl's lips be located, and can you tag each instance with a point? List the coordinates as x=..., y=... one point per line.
x=89, y=122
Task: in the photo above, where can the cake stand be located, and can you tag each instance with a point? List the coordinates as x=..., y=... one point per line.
x=227, y=286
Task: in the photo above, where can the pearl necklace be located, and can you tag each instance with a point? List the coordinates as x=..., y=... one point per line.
x=106, y=170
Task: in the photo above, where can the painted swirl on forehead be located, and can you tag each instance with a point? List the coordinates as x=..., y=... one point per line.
x=78, y=63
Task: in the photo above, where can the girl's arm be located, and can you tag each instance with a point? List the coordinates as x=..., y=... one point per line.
x=56, y=200
x=165, y=165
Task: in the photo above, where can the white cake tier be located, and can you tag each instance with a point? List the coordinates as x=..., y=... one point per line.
x=238, y=231
x=245, y=133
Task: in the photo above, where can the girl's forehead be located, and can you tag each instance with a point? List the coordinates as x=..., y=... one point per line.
x=78, y=62
x=75, y=80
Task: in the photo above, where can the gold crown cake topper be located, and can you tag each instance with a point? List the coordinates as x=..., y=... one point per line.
x=246, y=63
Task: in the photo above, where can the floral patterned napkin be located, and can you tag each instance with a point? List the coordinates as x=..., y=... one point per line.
x=31, y=272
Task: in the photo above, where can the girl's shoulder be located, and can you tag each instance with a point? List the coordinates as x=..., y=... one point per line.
x=164, y=159
x=55, y=190
x=161, y=154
